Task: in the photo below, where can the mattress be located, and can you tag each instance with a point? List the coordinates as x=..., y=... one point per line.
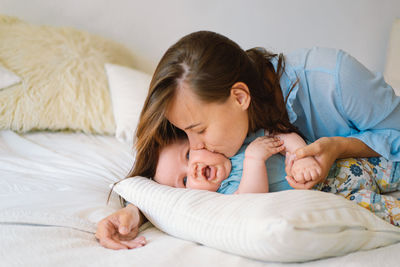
x=53, y=191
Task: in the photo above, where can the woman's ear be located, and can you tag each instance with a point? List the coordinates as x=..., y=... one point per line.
x=241, y=95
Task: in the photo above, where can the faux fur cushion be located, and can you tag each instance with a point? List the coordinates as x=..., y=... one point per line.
x=64, y=86
x=7, y=78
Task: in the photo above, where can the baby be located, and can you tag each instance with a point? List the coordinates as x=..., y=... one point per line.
x=361, y=180
x=246, y=172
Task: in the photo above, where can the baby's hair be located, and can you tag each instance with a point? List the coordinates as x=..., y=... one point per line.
x=147, y=169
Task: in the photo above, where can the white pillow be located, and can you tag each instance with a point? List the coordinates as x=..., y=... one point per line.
x=392, y=69
x=128, y=88
x=7, y=78
x=287, y=226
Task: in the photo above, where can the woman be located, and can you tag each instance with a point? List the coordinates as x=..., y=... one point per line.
x=208, y=87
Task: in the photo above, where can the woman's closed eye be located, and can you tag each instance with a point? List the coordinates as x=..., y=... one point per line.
x=201, y=131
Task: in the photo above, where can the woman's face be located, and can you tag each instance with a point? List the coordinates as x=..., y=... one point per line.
x=217, y=127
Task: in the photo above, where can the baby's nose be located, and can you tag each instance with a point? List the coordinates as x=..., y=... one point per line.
x=196, y=178
x=195, y=171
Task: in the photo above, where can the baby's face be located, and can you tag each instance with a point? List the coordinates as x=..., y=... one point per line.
x=178, y=166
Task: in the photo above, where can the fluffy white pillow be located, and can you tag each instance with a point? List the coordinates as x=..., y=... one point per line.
x=7, y=78
x=392, y=69
x=287, y=226
x=128, y=89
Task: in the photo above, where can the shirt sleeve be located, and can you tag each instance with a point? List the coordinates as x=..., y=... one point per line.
x=230, y=186
x=370, y=106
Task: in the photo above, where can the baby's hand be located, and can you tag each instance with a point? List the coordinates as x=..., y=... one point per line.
x=264, y=147
x=305, y=170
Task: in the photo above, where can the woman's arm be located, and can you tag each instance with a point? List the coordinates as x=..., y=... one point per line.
x=120, y=229
x=340, y=147
x=372, y=111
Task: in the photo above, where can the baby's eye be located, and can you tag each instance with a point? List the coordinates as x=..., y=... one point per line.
x=187, y=154
x=184, y=180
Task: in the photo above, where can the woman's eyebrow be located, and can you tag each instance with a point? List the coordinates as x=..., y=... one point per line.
x=192, y=126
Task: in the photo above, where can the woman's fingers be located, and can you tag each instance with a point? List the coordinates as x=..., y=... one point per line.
x=125, y=223
x=105, y=232
x=112, y=244
x=320, y=146
x=296, y=185
x=293, y=183
x=324, y=151
x=118, y=230
x=306, y=151
x=310, y=184
x=135, y=243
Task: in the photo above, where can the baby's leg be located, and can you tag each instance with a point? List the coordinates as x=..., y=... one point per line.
x=354, y=179
x=347, y=175
x=385, y=173
x=383, y=206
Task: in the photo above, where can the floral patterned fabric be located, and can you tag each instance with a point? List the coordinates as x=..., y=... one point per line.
x=364, y=181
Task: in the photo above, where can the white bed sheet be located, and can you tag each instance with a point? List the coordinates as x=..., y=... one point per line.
x=53, y=191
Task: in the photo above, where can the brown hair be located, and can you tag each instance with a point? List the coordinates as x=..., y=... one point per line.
x=210, y=64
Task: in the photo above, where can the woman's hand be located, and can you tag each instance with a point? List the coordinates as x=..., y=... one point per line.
x=120, y=229
x=325, y=151
x=305, y=170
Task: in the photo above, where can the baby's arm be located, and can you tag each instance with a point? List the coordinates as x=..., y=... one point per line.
x=302, y=170
x=254, y=177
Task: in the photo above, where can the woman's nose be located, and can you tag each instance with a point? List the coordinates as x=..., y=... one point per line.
x=195, y=142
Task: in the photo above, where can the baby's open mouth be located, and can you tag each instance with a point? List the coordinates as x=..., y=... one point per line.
x=209, y=172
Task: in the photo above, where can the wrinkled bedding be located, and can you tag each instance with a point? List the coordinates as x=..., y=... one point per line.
x=53, y=191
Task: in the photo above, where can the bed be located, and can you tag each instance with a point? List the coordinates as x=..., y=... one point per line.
x=53, y=192
x=54, y=185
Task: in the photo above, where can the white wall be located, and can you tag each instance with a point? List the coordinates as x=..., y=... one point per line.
x=149, y=27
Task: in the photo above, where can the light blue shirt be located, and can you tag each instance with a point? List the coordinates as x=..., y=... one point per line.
x=337, y=96
x=275, y=169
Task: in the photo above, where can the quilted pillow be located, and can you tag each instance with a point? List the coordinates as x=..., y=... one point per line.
x=286, y=226
x=64, y=85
